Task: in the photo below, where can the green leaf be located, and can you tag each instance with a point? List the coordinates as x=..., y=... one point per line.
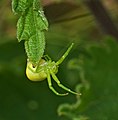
x=31, y=27
x=19, y=6
x=99, y=101
x=30, y=23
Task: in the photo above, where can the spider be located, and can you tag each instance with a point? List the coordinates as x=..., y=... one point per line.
x=46, y=69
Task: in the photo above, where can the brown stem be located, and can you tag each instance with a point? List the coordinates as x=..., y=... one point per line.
x=102, y=17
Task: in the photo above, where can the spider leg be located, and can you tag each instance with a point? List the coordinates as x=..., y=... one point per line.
x=62, y=86
x=46, y=57
x=51, y=87
x=65, y=55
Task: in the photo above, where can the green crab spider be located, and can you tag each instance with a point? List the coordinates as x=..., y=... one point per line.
x=46, y=69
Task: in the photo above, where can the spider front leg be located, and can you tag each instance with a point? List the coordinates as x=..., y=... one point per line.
x=51, y=87
x=62, y=86
x=65, y=55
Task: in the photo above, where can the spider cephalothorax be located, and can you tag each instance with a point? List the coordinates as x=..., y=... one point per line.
x=47, y=69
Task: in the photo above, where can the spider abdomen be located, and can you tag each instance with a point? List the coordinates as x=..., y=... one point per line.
x=33, y=75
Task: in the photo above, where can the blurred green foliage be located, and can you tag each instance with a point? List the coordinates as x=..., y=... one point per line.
x=99, y=100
